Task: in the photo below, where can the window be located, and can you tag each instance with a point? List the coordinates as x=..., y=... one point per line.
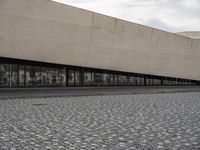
x=14, y=75
x=89, y=78
x=21, y=76
x=38, y=79
x=50, y=77
x=57, y=77
x=156, y=82
x=115, y=79
x=98, y=79
x=30, y=76
x=4, y=75
x=44, y=76
x=77, y=78
x=63, y=76
x=71, y=77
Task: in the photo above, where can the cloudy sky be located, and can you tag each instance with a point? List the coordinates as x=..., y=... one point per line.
x=169, y=15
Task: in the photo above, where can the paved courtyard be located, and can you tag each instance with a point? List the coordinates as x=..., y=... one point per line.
x=120, y=122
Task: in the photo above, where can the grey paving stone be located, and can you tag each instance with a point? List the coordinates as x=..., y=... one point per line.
x=126, y=122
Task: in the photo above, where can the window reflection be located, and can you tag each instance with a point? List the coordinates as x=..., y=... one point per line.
x=37, y=77
x=57, y=77
x=30, y=76
x=98, y=79
x=34, y=75
x=71, y=77
x=4, y=75
x=77, y=78
x=44, y=76
x=63, y=76
x=89, y=78
x=21, y=76
x=14, y=75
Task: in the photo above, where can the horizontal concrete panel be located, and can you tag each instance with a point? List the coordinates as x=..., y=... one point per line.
x=43, y=30
x=102, y=21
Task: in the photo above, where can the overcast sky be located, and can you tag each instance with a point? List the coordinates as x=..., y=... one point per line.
x=169, y=15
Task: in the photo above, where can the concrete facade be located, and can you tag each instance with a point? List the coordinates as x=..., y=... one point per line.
x=43, y=30
x=191, y=34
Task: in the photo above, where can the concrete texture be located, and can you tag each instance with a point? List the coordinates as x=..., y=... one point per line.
x=42, y=30
x=126, y=122
x=191, y=34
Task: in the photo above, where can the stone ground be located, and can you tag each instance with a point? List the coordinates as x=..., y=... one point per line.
x=119, y=122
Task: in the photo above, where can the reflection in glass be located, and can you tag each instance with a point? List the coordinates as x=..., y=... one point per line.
x=50, y=78
x=115, y=80
x=21, y=75
x=37, y=76
x=43, y=76
x=63, y=76
x=14, y=75
x=4, y=75
x=98, y=79
x=71, y=77
x=156, y=82
x=30, y=76
x=109, y=79
x=57, y=77
x=89, y=78
x=77, y=78
x=34, y=75
x=131, y=80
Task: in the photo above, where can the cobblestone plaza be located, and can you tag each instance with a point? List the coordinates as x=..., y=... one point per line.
x=120, y=122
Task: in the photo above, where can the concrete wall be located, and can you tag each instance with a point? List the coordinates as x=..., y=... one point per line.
x=47, y=31
x=191, y=34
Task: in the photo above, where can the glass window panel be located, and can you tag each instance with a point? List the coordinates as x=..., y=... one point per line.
x=21, y=75
x=86, y=77
x=37, y=76
x=30, y=76
x=112, y=79
x=164, y=81
x=89, y=78
x=119, y=80
x=4, y=75
x=104, y=77
x=137, y=81
x=14, y=75
x=57, y=77
x=131, y=81
x=63, y=76
x=71, y=77
x=50, y=76
x=77, y=77
x=44, y=76
x=156, y=82
x=124, y=82
x=98, y=78
x=128, y=80
x=109, y=79
x=115, y=79
x=149, y=81
x=141, y=81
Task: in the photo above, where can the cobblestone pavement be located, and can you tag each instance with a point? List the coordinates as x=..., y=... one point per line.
x=126, y=122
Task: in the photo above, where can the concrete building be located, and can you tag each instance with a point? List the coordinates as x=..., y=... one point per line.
x=191, y=34
x=44, y=43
